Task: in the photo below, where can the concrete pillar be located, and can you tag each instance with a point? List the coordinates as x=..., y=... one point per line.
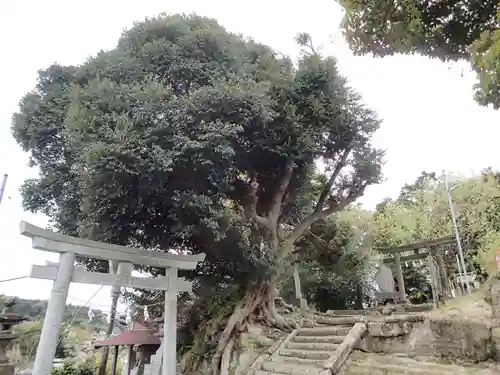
x=115, y=294
x=54, y=315
x=129, y=362
x=399, y=277
x=443, y=275
x=296, y=281
x=115, y=360
x=169, y=365
x=433, y=282
x=298, y=289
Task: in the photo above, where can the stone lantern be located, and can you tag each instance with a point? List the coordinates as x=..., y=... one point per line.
x=8, y=320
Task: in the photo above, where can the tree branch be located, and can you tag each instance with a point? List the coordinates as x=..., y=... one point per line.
x=275, y=209
x=331, y=181
x=251, y=207
x=315, y=216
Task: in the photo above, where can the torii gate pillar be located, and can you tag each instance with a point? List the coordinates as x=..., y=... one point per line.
x=64, y=273
x=169, y=362
x=49, y=336
x=400, y=278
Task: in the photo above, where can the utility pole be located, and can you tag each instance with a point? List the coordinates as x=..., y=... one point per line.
x=457, y=235
x=2, y=186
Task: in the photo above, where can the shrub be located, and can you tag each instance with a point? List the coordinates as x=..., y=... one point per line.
x=85, y=367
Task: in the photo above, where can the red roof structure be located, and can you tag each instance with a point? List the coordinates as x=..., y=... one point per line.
x=139, y=335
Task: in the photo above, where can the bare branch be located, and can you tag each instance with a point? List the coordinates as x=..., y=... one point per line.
x=328, y=186
x=251, y=207
x=315, y=216
x=275, y=209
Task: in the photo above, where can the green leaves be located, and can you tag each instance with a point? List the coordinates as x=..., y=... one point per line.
x=485, y=59
x=422, y=212
x=153, y=144
x=447, y=30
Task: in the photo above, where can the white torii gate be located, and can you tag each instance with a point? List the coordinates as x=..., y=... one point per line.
x=64, y=273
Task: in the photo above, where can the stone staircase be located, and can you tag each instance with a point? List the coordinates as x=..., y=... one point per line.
x=360, y=363
x=308, y=351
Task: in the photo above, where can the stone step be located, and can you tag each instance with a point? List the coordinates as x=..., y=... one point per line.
x=320, y=339
x=402, y=361
x=367, y=369
x=300, y=361
x=365, y=363
x=386, y=369
x=325, y=331
x=305, y=354
x=264, y=372
x=348, y=312
x=337, y=321
x=291, y=368
x=313, y=346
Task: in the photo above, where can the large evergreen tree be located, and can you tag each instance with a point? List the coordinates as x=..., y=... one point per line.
x=188, y=137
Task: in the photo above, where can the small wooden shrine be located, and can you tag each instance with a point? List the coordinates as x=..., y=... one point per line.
x=141, y=341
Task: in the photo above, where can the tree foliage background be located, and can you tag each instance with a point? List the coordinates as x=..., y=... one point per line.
x=76, y=331
x=448, y=30
x=422, y=212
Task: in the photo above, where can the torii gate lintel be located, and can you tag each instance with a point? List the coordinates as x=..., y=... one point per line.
x=416, y=248
x=64, y=273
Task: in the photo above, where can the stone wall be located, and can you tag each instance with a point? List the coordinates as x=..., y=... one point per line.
x=467, y=340
x=428, y=336
x=437, y=336
x=494, y=293
x=495, y=298
x=384, y=310
x=495, y=344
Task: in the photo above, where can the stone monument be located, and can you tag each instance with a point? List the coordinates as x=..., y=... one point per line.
x=384, y=279
x=8, y=319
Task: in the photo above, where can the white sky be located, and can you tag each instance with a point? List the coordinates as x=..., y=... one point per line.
x=430, y=121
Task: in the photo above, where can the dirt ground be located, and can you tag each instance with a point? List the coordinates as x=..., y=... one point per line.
x=468, y=307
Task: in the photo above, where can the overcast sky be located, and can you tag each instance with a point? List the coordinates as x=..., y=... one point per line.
x=430, y=121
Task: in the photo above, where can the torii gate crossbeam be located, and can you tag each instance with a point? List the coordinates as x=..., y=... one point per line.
x=64, y=273
x=415, y=247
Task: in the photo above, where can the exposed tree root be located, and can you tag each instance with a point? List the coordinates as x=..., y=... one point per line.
x=259, y=304
x=283, y=306
x=226, y=356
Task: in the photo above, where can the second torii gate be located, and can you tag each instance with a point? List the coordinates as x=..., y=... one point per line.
x=64, y=273
x=418, y=253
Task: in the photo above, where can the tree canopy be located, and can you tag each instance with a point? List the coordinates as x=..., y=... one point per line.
x=189, y=138
x=448, y=30
x=334, y=259
x=422, y=212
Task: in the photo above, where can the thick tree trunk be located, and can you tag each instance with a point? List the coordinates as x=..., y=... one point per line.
x=258, y=304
